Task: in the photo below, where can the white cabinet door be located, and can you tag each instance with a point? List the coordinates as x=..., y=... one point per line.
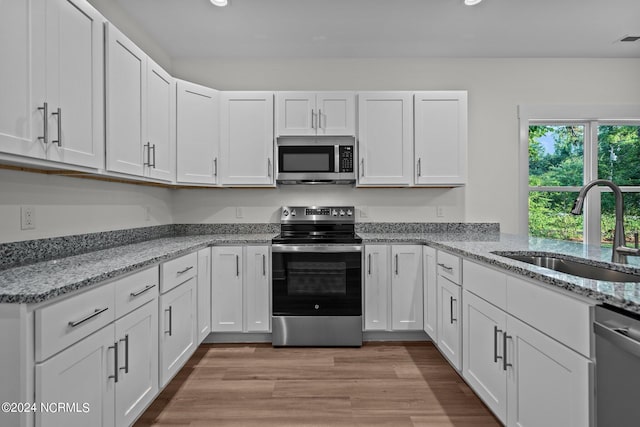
x=125, y=103
x=430, y=292
x=336, y=112
x=440, y=138
x=204, y=293
x=483, y=367
x=257, y=306
x=74, y=91
x=547, y=383
x=385, y=133
x=376, y=287
x=177, y=328
x=161, y=117
x=22, y=77
x=226, y=289
x=197, y=134
x=84, y=373
x=406, y=287
x=449, y=333
x=295, y=113
x=246, y=138
x=137, y=337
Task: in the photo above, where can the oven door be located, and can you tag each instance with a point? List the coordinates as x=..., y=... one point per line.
x=317, y=280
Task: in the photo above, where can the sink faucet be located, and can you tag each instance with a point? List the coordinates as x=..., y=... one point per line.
x=619, y=251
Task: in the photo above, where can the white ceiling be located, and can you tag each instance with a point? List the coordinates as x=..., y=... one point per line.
x=390, y=28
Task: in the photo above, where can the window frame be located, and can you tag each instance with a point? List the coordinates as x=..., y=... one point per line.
x=589, y=116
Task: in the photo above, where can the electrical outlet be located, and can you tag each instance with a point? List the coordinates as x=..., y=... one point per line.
x=238, y=212
x=27, y=217
x=364, y=212
x=439, y=211
x=147, y=213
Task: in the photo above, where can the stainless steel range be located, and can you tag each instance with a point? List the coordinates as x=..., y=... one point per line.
x=317, y=278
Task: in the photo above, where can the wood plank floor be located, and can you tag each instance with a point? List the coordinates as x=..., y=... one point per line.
x=380, y=384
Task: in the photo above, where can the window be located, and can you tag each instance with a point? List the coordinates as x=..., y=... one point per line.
x=562, y=153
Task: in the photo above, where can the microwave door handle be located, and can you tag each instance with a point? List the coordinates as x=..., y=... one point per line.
x=336, y=157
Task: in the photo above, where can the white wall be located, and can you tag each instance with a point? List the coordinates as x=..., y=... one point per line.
x=65, y=206
x=496, y=87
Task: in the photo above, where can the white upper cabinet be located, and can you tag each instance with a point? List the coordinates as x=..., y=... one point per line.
x=51, y=81
x=246, y=138
x=140, y=99
x=198, y=133
x=440, y=138
x=385, y=138
x=315, y=113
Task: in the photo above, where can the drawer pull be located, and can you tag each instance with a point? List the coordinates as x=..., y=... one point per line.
x=95, y=313
x=185, y=270
x=142, y=291
x=446, y=267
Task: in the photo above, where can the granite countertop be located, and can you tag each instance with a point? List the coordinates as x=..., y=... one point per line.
x=44, y=280
x=479, y=247
x=41, y=281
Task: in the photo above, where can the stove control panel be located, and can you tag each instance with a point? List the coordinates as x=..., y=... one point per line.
x=318, y=214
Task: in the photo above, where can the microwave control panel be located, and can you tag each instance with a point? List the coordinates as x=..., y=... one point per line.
x=346, y=158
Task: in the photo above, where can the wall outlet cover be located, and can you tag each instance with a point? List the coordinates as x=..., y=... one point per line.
x=27, y=218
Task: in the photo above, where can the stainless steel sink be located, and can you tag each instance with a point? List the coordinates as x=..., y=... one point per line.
x=562, y=264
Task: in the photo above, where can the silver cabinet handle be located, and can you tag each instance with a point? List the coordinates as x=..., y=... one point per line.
x=142, y=291
x=95, y=313
x=362, y=167
x=237, y=266
x=115, y=361
x=264, y=265
x=451, y=300
x=446, y=267
x=59, y=140
x=170, y=331
x=319, y=119
x=154, y=156
x=45, y=130
x=185, y=270
x=369, y=267
x=147, y=147
x=419, y=167
x=313, y=119
x=215, y=167
x=505, y=337
x=269, y=167
x=396, y=264
x=126, y=354
x=496, y=331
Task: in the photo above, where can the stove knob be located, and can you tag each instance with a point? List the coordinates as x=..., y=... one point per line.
x=285, y=213
x=341, y=212
x=334, y=212
x=293, y=212
x=349, y=212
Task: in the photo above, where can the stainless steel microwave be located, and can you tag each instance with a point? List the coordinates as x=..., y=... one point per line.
x=315, y=161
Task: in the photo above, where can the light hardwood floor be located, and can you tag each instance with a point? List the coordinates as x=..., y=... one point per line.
x=380, y=384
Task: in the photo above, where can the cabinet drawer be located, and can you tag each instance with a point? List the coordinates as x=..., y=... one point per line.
x=68, y=321
x=487, y=283
x=135, y=290
x=178, y=271
x=449, y=266
x=561, y=317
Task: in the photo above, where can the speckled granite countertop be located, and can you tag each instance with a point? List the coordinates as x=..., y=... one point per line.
x=479, y=247
x=44, y=280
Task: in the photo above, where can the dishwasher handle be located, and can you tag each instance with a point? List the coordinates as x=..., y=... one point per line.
x=619, y=337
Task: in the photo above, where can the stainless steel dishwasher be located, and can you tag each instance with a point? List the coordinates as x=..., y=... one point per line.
x=617, y=367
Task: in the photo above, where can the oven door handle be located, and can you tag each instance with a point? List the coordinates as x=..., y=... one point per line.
x=316, y=248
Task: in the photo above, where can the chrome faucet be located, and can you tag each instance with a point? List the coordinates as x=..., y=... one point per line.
x=619, y=251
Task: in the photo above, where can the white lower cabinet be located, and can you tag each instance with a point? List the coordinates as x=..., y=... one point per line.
x=177, y=328
x=393, y=287
x=240, y=293
x=526, y=377
x=449, y=326
x=82, y=375
x=204, y=293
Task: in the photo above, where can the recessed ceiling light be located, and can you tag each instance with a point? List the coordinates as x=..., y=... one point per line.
x=471, y=2
x=220, y=3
